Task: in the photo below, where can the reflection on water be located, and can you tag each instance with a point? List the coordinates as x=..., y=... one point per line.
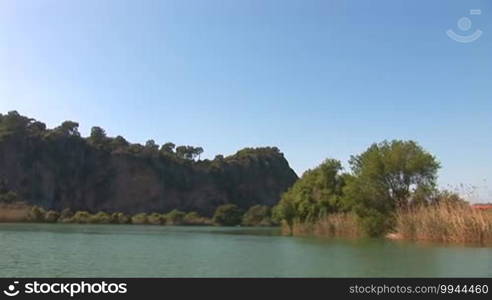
x=161, y=251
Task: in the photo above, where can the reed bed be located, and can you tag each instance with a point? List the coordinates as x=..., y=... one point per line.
x=449, y=223
x=333, y=225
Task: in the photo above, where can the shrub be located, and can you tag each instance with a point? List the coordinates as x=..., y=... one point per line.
x=175, y=217
x=51, y=216
x=258, y=215
x=227, y=215
x=193, y=218
x=36, y=214
x=140, y=218
x=375, y=223
x=100, y=218
x=155, y=219
x=81, y=217
x=120, y=218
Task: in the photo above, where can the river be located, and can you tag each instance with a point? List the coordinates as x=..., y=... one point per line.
x=70, y=250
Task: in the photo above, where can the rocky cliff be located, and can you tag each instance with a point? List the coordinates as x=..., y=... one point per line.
x=58, y=169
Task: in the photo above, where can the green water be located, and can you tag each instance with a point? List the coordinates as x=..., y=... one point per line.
x=52, y=250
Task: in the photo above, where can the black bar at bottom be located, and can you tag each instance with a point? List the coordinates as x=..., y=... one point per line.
x=251, y=288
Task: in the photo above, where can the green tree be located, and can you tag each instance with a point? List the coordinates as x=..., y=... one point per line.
x=13, y=122
x=98, y=136
x=167, y=148
x=197, y=152
x=188, y=152
x=395, y=170
x=285, y=211
x=119, y=144
x=67, y=128
x=258, y=215
x=228, y=215
x=136, y=149
x=151, y=147
x=317, y=193
x=183, y=152
x=385, y=177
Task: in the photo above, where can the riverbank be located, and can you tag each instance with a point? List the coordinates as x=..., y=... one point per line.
x=225, y=215
x=442, y=223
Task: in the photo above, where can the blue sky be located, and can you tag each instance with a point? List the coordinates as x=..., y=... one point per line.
x=317, y=79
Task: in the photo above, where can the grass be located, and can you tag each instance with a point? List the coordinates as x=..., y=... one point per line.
x=449, y=223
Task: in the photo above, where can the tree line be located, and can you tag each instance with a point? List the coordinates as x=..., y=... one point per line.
x=13, y=122
x=225, y=215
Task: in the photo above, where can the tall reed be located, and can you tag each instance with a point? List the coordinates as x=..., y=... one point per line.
x=445, y=222
x=332, y=225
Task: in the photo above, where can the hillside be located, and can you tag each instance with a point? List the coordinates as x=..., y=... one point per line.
x=57, y=169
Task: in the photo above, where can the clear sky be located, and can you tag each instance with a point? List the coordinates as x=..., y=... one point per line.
x=317, y=79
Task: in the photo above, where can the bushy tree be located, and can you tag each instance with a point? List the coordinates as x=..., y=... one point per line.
x=219, y=157
x=151, y=147
x=188, y=152
x=36, y=214
x=98, y=137
x=13, y=122
x=228, y=215
x=167, y=148
x=258, y=215
x=317, y=193
x=385, y=177
x=119, y=144
x=285, y=211
x=67, y=129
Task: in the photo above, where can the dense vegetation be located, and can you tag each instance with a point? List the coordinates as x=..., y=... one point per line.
x=225, y=215
x=388, y=177
x=58, y=168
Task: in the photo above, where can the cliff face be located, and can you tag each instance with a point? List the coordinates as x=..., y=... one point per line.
x=60, y=171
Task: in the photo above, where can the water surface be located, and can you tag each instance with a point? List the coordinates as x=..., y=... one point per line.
x=70, y=250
